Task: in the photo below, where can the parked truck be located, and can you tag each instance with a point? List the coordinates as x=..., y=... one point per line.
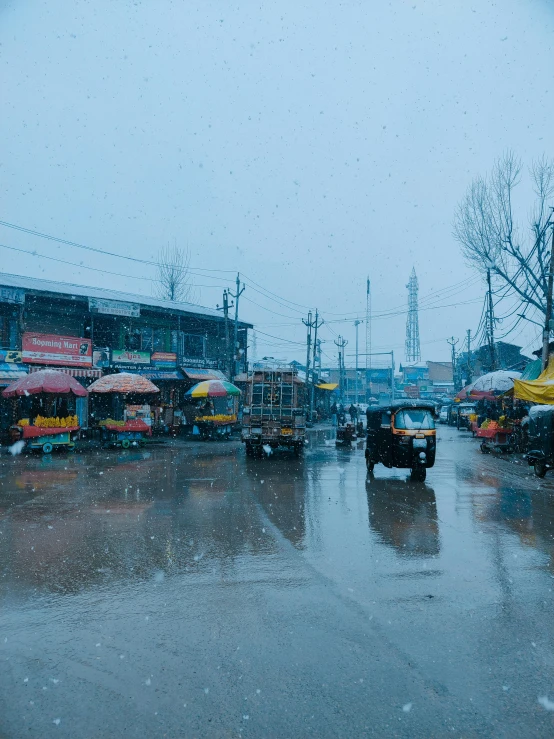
x=274, y=414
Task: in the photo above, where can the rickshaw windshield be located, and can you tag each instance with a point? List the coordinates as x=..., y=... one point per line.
x=414, y=419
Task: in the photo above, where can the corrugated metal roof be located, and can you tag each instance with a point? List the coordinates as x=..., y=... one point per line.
x=80, y=291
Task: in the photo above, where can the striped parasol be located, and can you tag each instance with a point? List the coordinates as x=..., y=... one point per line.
x=213, y=389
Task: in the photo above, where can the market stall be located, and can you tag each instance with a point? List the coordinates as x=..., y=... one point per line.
x=217, y=407
x=46, y=404
x=539, y=390
x=121, y=408
x=496, y=422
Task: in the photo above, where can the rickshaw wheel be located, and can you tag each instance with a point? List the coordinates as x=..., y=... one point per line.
x=484, y=448
x=125, y=444
x=47, y=448
x=418, y=474
x=540, y=469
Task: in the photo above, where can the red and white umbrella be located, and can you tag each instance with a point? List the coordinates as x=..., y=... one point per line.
x=45, y=381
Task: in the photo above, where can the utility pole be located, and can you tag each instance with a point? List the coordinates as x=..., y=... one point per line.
x=453, y=343
x=490, y=332
x=356, y=324
x=236, y=329
x=468, y=356
x=392, y=376
x=309, y=325
x=317, y=324
x=317, y=349
x=341, y=343
x=225, y=308
x=548, y=317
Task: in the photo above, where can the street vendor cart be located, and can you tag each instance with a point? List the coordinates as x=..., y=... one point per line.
x=121, y=399
x=125, y=433
x=47, y=419
x=494, y=438
x=217, y=413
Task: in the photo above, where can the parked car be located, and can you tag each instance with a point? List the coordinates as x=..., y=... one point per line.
x=443, y=414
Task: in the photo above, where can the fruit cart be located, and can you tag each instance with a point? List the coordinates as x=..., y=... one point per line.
x=218, y=414
x=45, y=398
x=125, y=434
x=494, y=438
x=45, y=439
x=124, y=397
x=215, y=427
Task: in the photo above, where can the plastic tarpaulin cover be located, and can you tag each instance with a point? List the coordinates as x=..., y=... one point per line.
x=540, y=390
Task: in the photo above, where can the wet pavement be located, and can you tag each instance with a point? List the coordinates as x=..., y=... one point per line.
x=186, y=591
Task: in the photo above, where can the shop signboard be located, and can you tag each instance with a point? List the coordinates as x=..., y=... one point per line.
x=65, y=351
x=113, y=307
x=123, y=358
x=164, y=360
x=10, y=355
x=194, y=362
x=12, y=295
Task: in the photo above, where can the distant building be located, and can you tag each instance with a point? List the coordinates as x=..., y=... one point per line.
x=508, y=357
x=87, y=332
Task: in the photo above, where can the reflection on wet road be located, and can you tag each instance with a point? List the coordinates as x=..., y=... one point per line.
x=189, y=591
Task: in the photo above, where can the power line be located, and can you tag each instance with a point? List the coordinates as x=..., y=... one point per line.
x=92, y=269
x=95, y=249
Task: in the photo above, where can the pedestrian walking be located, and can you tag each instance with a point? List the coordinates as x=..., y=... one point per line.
x=353, y=414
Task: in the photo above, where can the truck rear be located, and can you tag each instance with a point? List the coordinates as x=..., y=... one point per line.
x=274, y=414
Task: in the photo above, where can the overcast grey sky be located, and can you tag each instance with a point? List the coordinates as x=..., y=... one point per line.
x=307, y=144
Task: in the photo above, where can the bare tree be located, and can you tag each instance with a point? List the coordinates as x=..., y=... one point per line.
x=174, y=280
x=490, y=238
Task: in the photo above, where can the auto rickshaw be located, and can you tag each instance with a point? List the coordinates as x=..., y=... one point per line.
x=541, y=439
x=402, y=435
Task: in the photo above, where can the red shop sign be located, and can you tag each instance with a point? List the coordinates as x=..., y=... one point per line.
x=65, y=351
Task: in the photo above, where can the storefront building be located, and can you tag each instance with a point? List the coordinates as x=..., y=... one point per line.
x=88, y=332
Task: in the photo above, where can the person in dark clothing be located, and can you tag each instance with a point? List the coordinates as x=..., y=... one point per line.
x=353, y=413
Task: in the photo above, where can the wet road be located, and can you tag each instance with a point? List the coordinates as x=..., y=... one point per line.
x=186, y=591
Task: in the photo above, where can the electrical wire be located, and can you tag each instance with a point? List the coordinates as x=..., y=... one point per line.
x=92, y=269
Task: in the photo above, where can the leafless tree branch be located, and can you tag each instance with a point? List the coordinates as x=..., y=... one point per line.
x=490, y=237
x=173, y=280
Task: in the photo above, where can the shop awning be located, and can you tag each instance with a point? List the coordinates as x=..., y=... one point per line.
x=73, y=371
x=539, y=391
x=328, y=386
x=10, y=372
x=194, y=373
x=162, y=374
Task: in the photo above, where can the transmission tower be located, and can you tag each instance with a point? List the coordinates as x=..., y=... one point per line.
x=412, y=349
